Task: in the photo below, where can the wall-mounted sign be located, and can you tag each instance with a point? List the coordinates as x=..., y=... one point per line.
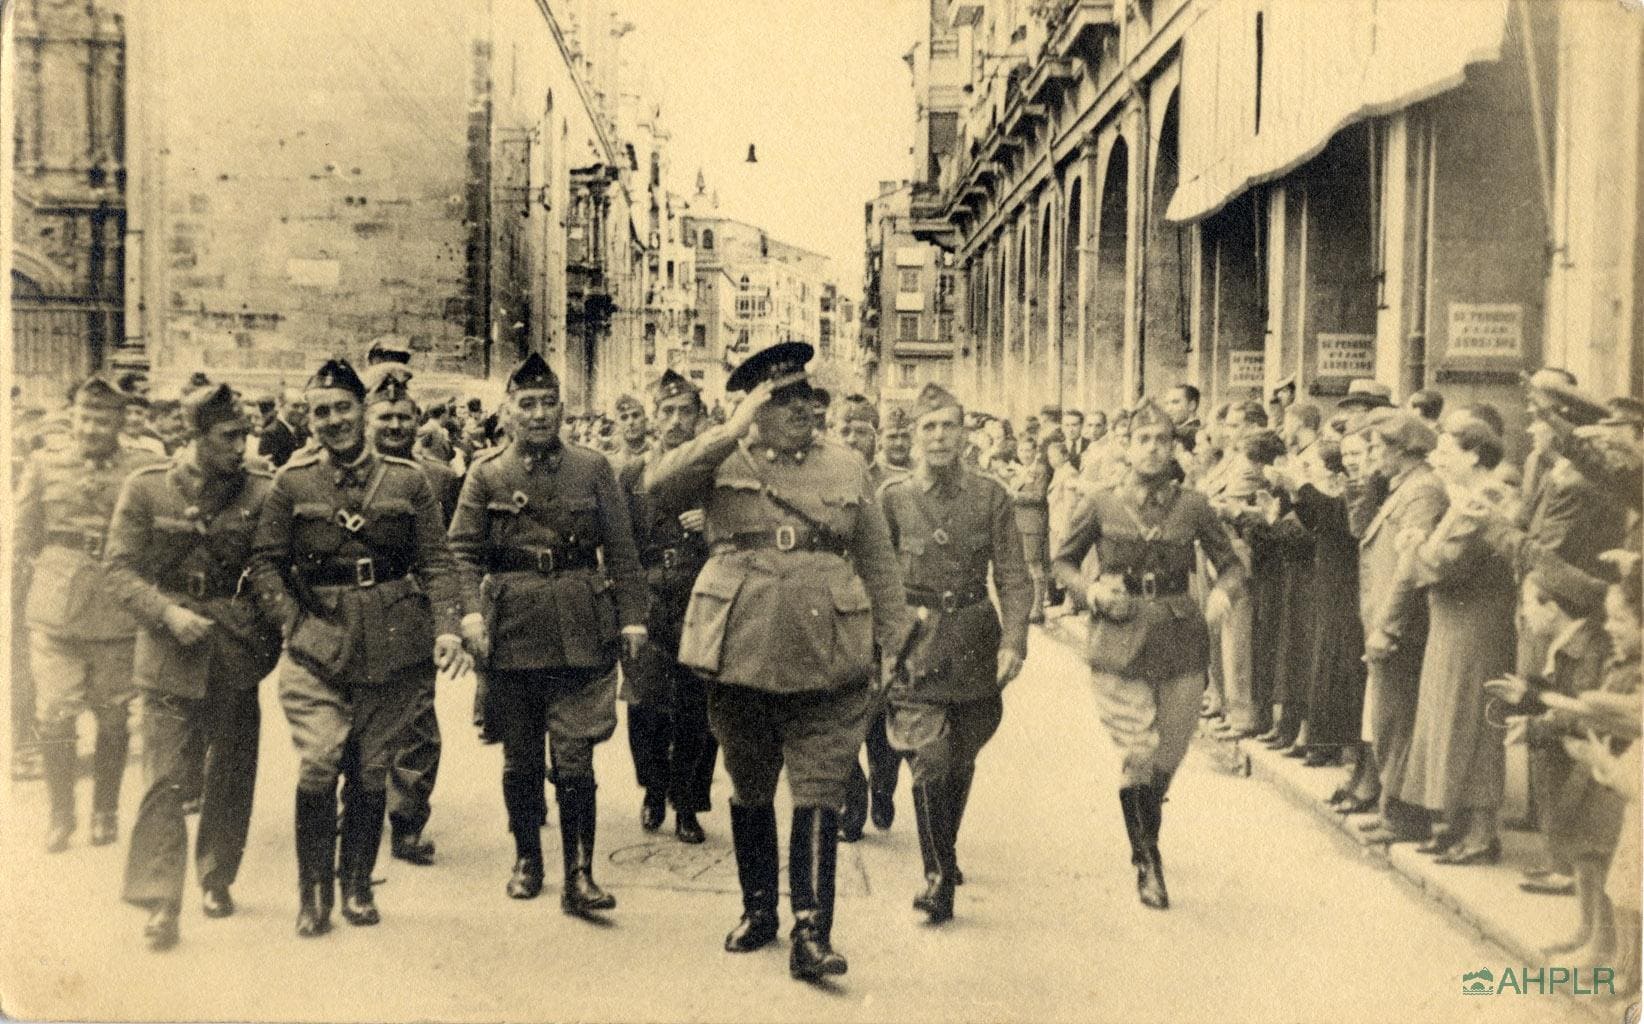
x=1246, y=370
x=1488, y=332
x=1346, y=355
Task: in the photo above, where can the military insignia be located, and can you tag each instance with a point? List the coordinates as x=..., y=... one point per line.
x=350, y=521
x=940, y=536
x=520, y=500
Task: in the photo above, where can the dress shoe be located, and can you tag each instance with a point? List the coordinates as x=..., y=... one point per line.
x=1298, y=752
x=652, y=812
x=756, y=930
x=57, y=836
x=216, y=902
x=105, y=828
x=1340, y=796
x=1435, y=844
x=884, y=811
x=1271, y=738
x=687, y=829
x=1471, y=853
x=412, y=848
x=1550, y=884
x=1384, y=835
x=1358, y=805
x=1320, y=758
x=526, y=881
x=161, y=930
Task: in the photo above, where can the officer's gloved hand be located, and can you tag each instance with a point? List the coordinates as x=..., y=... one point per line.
x=693, y=520
x=633, y=640
x=1010, y=664
x=1108, y=597
x=475, y=638
x=449, y=657
x=188, y=627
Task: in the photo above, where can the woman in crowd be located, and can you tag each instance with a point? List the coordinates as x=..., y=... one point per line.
x=1028, y=483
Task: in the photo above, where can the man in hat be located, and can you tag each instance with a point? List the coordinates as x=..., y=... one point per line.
x=858, y=428
x=351, y=561
x=387, y=350
x=1399, y=443
x=537, y=519
x=674, y=750
x=80, y=638
x=391, y=429
x=896, y=449
x=951, y=527
x=287, y=431
x=178, y=548
x=782, y=621
x=1149, y=643
x=1366, y=393
x=633, y=432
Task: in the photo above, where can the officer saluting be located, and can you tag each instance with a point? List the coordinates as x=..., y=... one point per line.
x=537, y=519
x=950, y=525
x=80, y=638
x=1149, y=645
x=178, y=546
x=782, y=621
x=674, y=751
x=350, y=560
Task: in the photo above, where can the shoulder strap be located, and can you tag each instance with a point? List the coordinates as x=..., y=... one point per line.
x=776, y=498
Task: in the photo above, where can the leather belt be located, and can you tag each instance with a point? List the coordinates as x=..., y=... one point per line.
x=88, y=541
x=948, y=601
x=201, y=585
x=784, y=538
x=361, y=572
x=543, y=560
x=1155, y=584
x=672, y=558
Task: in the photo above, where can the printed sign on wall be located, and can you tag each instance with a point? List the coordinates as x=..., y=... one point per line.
x=1246, y=369
x=1346, y=355
x=1485, y=332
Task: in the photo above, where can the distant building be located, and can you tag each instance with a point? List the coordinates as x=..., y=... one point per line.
x=910, y=300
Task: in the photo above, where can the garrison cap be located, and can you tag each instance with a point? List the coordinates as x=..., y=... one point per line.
x=533, y=373
x=626, y=401
x=204, y=408
x=1367, y=393
x=96, y=392
x=1150, y=414
x=337, y=373
x=781, y=360
x=896, y=420
x=387, y=382
x=671, y=385
x=933, y=397
x=1548, y=393
x=857, y=408
x=387, y=349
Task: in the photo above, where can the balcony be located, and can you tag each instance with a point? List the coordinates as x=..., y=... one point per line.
x=1074, y=29
x=967, y=13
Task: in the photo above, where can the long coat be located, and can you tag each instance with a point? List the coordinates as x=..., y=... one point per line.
x=1457, y=759
x=1335, y=696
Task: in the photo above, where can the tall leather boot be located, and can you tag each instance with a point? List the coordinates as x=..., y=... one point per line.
x=316, y=840
x=932, y=812
x=958, y=790
x=357, y=856
x=576, y=833
x=813, y=847
x=107, y=771
x=58, y=760
x=753, y=834
x=526, y=880
x=855, y=815
x=1140, y=806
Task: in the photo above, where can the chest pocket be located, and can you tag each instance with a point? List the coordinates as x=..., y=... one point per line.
x=391, y=525
x=577, y=520
x=315, y=531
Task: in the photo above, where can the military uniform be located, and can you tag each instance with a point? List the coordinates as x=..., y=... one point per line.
x=673, y=749
x=181, y=538
x=1148, y=653
x=782, y=622
x=950, y=527
x=81, y=638
x=352, y=562
x=539, y=525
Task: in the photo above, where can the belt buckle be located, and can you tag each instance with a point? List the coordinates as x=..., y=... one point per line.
x=197, y=585
x=670, y=558
x=545, y=561
x=94, y=545
x=949, y=602
x=365, y=572
x=1150, y=586
x=787, y=538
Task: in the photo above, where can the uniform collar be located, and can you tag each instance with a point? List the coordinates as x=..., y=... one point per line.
x=954, y=481
x=547, y=457
x=1148, y=492
x=766, y=453
x=352, y=472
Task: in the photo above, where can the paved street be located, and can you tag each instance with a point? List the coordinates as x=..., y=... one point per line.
x=1282, y=919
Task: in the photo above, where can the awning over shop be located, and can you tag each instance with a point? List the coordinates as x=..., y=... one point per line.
x=1324, y=64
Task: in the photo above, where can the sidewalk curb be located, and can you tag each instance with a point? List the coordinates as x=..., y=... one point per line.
x=1515, y=922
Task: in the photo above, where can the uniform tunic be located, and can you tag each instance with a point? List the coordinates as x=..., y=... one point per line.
x=1148, y=666
x=801, y=580
x=949, y=532
x=352, y=562
x=181, y=539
